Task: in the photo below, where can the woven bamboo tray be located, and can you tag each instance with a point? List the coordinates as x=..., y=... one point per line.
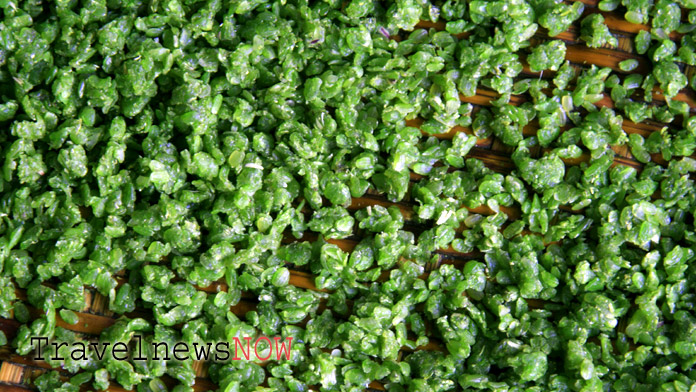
x=18, y=372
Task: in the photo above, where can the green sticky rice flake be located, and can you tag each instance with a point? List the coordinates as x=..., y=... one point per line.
x=547, y=56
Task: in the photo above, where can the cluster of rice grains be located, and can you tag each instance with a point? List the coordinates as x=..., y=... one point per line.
x=424, y=195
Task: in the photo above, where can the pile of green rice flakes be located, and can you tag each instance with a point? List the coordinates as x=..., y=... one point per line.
x=151, y=148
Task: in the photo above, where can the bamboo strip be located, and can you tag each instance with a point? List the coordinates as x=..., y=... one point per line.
x=14, y=388
x=11, y=373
